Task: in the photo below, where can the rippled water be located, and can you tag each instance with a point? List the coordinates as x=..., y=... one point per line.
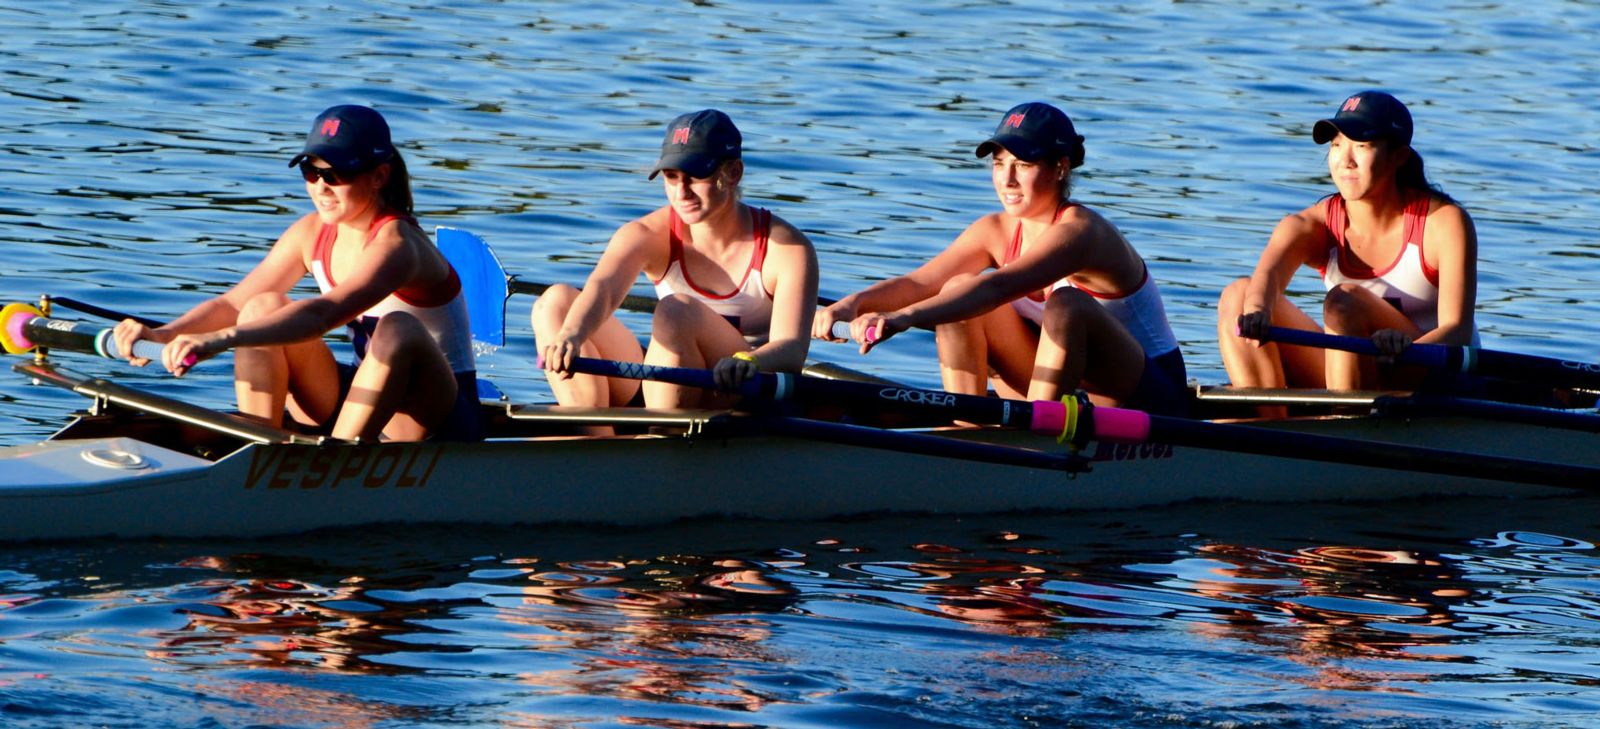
x=142, y=152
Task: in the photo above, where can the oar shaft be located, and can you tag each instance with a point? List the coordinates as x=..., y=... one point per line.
x=1455, y=358
x=23, y=328
x=1041, y=416
x=100, y=311
x=77, y=336
x=928, y=445
x=1131, y=426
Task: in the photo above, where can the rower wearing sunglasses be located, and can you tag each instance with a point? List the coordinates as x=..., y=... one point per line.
x=413, y=376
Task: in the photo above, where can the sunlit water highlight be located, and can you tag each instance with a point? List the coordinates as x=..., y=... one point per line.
x=141, y=167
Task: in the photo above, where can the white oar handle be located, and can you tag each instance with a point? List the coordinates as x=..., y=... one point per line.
x=105, y=345
x=841, y=330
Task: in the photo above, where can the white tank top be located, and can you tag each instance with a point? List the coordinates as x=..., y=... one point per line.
x=748, y=307
x=442, y=308
x=1407, y=282
x=1140, y=311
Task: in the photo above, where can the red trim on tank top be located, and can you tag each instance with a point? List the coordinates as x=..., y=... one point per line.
x=418, y=296
x=761, y=219
x=1413, y=224
x=1014, y=249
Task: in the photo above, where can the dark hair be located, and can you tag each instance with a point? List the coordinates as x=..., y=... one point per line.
x=396, y=192
x=1412, y=175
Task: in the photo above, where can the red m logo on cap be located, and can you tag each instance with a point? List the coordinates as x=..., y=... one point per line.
x=1014, y=121
x=1351, y=103
x=680, y=135
x=330, y=127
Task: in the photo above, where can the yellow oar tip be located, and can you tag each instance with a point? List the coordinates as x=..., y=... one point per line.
x=12, y=317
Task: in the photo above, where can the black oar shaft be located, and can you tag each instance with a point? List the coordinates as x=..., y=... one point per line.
x=1454, y=358
x=100, y=311
x=79, y=337
x=1387, y=456
x=785, y=386
x=857, y=435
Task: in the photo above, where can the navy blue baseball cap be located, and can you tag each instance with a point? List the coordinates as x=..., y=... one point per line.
x=1035, y=131
x=1367, y=116
x=697, y=142
x=349, y=138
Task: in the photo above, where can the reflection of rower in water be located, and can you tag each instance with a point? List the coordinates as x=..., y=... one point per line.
x=665, y=624
x=284, y=623
x=1341, y=599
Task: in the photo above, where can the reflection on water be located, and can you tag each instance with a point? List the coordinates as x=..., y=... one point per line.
x=829, y=624
x=142, y=156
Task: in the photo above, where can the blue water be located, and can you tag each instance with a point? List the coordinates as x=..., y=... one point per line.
x=142, y=152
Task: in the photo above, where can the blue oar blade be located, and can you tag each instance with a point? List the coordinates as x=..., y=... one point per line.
x=483, y=280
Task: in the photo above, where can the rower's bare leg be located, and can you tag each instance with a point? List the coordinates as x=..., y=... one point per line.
x=994, y=348
x=1353, y=311
x=687, y=333
x=1083, y=345
x=302, y=377
x=404, y=387
x=1252, y=364
x=612, y=341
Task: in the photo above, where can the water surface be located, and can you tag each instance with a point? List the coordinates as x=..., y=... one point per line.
x=142, y=153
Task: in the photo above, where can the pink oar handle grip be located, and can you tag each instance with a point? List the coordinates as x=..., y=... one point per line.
x=841, y=330
x=1049, y=417
x=1117, y=425
x=1113, y=425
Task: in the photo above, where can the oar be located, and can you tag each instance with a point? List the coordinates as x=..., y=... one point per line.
x=1456, y=358
x=23, y=328
x=1403, y=406
x=1041, y=416
x=788, y=386
x=1076, y=420
x=100, y=311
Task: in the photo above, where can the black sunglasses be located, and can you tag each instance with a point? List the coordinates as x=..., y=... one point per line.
x=329, y=175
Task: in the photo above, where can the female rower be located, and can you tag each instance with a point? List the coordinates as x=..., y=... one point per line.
x=1397, y=256
x=414, y=373
x=737, y=285
x=1083, y=309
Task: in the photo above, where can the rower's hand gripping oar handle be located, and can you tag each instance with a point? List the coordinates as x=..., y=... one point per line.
x=23, y=328
x=841, y=330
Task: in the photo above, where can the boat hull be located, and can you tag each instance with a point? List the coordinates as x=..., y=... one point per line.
x=74, y=488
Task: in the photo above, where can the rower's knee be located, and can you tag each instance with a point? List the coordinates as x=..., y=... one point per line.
x=1064, y=309
x=553, y=305
x=961, y=326
x=678, y=318
x=1342, y=311
x=1231, y=303
x=956, y=280
x=261, y=305
x=395, y=333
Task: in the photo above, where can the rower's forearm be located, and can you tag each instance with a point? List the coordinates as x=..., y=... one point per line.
x=782, y=355
x=887, y=295
x=957, y=302
x=207, y=316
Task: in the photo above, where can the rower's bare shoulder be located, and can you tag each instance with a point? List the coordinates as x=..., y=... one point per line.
x=1307, y=223
x=784, y=233
x=1448, y=212
x=651, y=227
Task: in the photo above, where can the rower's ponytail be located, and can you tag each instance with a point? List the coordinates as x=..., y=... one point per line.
x=396, y=192
x=1412, y=175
